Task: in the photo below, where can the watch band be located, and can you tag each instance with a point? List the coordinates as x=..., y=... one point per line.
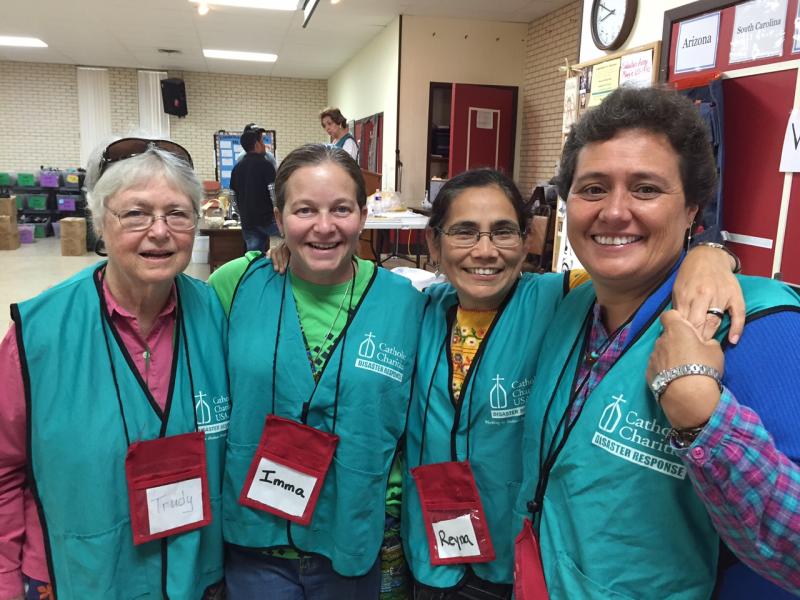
x=663, y=378
x=737, y=263
x=683, y=437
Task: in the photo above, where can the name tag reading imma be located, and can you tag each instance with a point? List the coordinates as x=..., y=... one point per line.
x=281, y=487
x=174, y=505
x=455, y=538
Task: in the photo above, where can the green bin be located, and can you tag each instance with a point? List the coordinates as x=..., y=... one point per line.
x=26, y=179
x=40, y=230
x=21, y=201
x=5, y=179
x=37, y=202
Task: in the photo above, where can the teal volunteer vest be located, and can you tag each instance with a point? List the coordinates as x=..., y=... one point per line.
x=373, y=361
x=77, y=440
x=490, y=415
x=620, y=518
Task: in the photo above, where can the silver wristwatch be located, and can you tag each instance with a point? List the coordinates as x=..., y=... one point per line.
x=667, y=376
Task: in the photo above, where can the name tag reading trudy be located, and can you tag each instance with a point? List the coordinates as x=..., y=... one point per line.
x=281, y=487
x=455, y=538
x=174, y=505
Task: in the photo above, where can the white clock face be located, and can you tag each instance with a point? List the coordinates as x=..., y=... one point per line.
x=609, y=17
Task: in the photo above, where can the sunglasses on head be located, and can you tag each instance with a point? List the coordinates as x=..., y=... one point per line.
x=130, y=147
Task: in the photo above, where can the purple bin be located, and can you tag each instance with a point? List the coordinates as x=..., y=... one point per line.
x=66, y=203
x=48, y=179
x=26, y=233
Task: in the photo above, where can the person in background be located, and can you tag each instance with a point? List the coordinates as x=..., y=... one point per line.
x=251, y=179
x=479, y=346
x=335, y=125
x=270, y=151
x=630, y=487
x=315, y=356
x=110, y=379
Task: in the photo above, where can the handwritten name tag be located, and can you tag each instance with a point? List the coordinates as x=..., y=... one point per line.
x=174, y=505
x=455, y=538
x=281, y=487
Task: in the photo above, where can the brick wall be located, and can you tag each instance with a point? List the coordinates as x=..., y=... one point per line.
x=44, y=98
x=38, y=116
x=550, y=39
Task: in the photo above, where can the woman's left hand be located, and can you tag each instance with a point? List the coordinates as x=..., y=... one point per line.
x=688, y=401
x=705, y=281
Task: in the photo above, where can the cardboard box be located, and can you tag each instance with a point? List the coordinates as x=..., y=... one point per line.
x=9, y=234
x=8, y=207
x=73, y=227
x=73, y=247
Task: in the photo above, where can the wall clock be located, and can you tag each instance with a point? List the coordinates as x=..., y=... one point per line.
x=612, y=22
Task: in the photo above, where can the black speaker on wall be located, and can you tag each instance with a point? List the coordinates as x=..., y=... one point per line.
x=173, y=95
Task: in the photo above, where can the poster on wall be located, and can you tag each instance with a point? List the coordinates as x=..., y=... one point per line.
x=564, y=258
x=585, y=85
x=697, y=43
x=796, y=38
x=571, y=87
x=604, y=81
x=758, y=30
x=637, y=69
x=790, y=155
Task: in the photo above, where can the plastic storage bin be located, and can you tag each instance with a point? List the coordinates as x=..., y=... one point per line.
x=66, y=203
x=56, y=229
x=22, y=201
x=72, y=180
x=7, y=179
x=26, y=180
x=37, y=202
x=48, y=179
x=26, y=233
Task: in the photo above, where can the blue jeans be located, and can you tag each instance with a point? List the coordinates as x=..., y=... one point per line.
x=253, y=574
x=257, y=238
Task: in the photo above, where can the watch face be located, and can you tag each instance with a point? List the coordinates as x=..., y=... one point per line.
x=608, y=19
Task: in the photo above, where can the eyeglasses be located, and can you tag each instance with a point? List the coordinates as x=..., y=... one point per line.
x=467, y=237
x=130, y=147
x=137, y=220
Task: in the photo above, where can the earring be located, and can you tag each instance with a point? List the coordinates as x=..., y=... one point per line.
x=435, y=266
x=688, y=242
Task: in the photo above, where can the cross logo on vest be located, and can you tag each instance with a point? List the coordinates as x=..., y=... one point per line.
x=636, y=439
x=381, y=358
x=498, y=398
x=611, y=415
x=212, y=414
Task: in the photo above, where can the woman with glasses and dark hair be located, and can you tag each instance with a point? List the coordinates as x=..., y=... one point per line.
x=480, y=340
x=321, y=363
x=114, y=405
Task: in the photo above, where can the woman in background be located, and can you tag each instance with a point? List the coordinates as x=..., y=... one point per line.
x=335, y=125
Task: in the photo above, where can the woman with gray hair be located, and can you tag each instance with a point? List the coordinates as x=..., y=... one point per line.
x=114, y=412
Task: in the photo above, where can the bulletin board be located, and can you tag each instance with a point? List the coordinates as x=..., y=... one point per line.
x=227, y=148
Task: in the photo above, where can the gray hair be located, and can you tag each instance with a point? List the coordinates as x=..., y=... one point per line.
x=135, y=172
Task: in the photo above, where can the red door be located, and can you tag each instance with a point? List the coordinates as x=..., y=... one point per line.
x=483, y=121
x=756, y=112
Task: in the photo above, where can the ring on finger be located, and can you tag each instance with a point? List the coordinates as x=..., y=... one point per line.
x=717, y=312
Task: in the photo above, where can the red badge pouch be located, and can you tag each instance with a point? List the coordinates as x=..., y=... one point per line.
x=288, y=469
x=167, y=486
x=529, y=583
x=453, y=513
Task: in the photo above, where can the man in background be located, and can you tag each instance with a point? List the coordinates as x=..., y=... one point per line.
x=251, y=179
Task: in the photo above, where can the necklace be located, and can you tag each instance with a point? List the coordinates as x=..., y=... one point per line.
x=333, y=323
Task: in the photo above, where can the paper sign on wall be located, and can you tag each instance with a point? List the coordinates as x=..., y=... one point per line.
x=637, y=69
x=604, y=80
x=570, y=103
x=484, y=118
x=796, y=38
x=758, y=30
x=790, y=156
x=697, y=43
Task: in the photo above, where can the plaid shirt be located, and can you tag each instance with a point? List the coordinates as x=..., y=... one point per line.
x=750, y=489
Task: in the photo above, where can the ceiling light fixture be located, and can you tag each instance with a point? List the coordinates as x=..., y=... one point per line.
x=236, y=55
x=335, y=1
x=22, y=42
x=202, y=9
x=308, y=10
x=261, y=4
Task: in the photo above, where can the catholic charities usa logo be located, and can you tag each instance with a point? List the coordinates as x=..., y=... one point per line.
x=643, y=442
x=381, y=358
x=213, y=414
x=508, y=401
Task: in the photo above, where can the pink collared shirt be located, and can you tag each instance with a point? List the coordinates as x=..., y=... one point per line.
x=21, y=541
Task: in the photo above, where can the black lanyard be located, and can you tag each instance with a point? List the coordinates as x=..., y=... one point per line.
x=180, y=332
x=307, y=403
x=565, y=425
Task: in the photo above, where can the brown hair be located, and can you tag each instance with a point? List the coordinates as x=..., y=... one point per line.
x=335, y=115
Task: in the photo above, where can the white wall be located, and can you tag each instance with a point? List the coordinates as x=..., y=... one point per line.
x=451, y=50
x=647, y=28
x=367, y=84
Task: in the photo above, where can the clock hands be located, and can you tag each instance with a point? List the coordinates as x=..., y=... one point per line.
x=609, y=12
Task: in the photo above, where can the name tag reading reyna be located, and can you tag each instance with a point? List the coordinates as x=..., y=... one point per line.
x=282, y=487
x=174, y=505
x=455, y=538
